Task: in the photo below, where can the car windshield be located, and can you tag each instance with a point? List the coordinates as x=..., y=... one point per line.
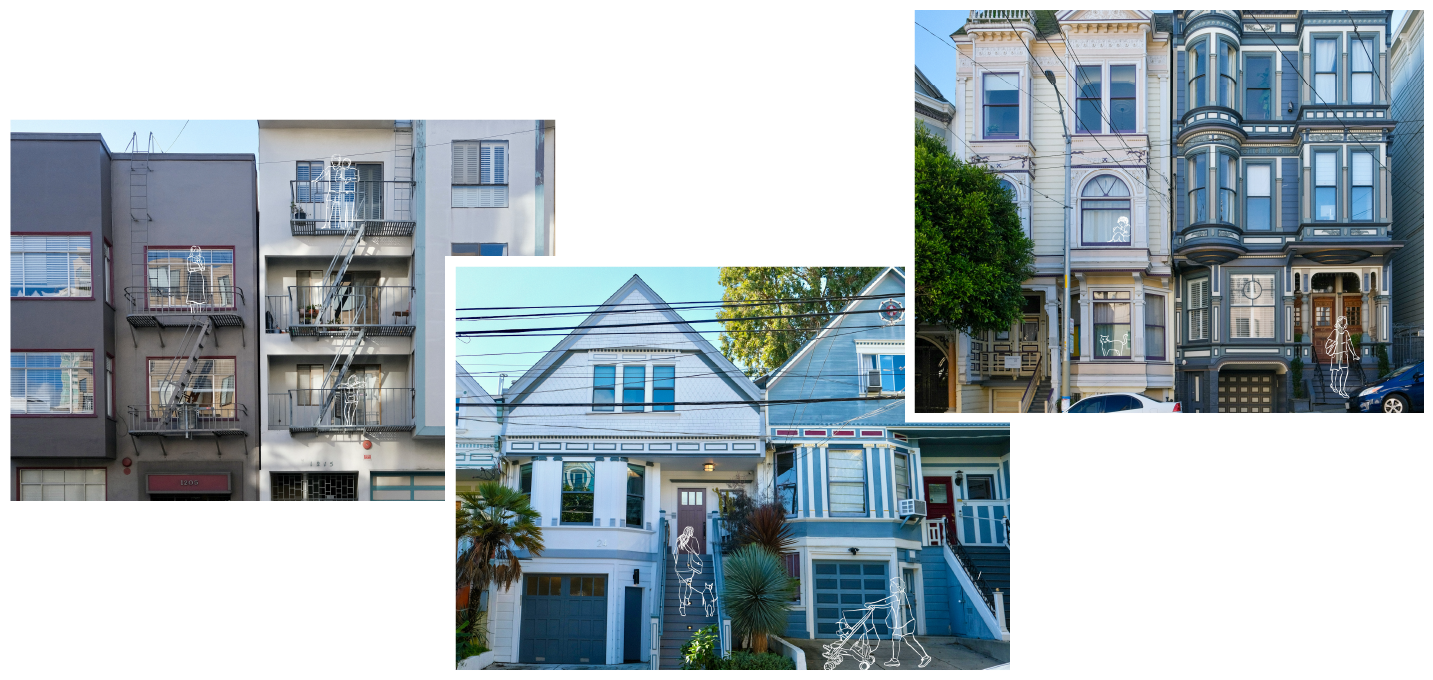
x=1401, y=371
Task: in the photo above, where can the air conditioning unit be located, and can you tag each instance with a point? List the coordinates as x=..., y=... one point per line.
x=873, y=381
x=910, y=507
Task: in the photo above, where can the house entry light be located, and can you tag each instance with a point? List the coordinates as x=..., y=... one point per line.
x=708, y=467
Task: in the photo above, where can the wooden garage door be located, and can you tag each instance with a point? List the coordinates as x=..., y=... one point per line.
x=1246, y=392
x=1008, y=401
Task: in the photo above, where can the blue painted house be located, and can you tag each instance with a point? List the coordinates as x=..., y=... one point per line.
x=873, y=497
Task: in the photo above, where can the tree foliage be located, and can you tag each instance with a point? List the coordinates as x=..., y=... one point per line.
x=971, y=251
x=775, y=340
x=492, y=524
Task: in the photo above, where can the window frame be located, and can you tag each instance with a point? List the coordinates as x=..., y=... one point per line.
x=1163, y=326
x=627, y=390
x=1353, y=72
x=91, y=267
x=233, y=271
x=215, y=390
x=985, y=105
x=991, y=487
x=1316, y=98
x=640, y=496
x=865, y=481
x=524, y=479
x=896, y=477
x=795, y=480
x=563, y=493
x=1354, y=186
x=1199, y=186
x=1110, y=97
x=1332, y=190
x=867, y=358
x=1128, y=301
x=1128, y=199
x=489, y=178
x=1249, y=197
x=1197, y=306
x=1228, y=82
x=1235, y=295
x=1198, y=72
x=1082, y=98
x=668, y=404
x=1270, y=108
x=412, y=488
x=598, y=404
x=94, y=413
x=20, y=483
x=1227, y=207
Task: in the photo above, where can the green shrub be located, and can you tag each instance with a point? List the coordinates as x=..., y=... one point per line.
x=1296, y=370
x=703, y=651
x=747, y=661
x=1384, y=367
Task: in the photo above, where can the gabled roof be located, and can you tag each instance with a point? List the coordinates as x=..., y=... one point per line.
x=927, y=88
x=549, y=361
x=833, y=323
x=469, y=388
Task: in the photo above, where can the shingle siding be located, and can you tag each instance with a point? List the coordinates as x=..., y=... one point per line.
x=1290, y=198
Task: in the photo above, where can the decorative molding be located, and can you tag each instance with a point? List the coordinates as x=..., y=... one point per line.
x=929, y=112
x=1105, y=15
x=1107, y=44
x=1001, y=51
x=1157, y=61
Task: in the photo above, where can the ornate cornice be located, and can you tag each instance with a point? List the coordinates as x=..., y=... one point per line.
x=937, y=114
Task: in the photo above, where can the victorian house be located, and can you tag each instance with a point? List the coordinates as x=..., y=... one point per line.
x=1024, y=79
x=1283, y=226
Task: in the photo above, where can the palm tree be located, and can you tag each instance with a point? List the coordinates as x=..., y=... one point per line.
x=757, y=594
x=493, y=523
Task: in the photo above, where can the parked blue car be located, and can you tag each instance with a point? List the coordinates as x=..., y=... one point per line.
x=1400, y=392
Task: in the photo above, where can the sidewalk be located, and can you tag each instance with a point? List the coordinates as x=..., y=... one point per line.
x=946, y=654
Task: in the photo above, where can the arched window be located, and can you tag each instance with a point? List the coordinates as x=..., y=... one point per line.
x=1006, y=185
x=1105, y=212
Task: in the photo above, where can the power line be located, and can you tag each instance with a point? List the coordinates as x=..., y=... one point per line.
x=753, y=402
x=728, y=331
x=424, y=146
x=669, y=323
x=693, y=302
x=176, y=137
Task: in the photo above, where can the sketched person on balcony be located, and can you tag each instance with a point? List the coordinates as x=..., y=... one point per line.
x=194, y=282
x=687, y=543
x=1340, y=353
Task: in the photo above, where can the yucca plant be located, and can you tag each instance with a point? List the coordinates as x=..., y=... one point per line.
x=757, y=594
x=766, y=527
x=492, y=524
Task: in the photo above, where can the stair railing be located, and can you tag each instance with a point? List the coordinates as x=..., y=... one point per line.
x=966, y=562
x=660, y=592
x=717, y=540
x=1029, y=395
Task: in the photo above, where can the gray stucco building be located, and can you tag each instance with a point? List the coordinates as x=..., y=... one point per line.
x=133, y=349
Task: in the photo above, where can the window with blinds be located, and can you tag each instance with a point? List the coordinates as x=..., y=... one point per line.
x=1325, y=185
x=847, y=472
x=50, y=266
x=1198, y=305
x=1251, y=306
x=480, y=174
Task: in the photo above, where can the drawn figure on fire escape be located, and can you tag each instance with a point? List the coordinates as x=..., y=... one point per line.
x=353, y=393
x=194, y=285
x=860, y=640
x=1340, y=353
x=687, y=543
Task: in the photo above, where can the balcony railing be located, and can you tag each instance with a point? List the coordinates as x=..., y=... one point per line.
x=385, y=207
x=1002, y=15
x=148, y=302
x=185, y=420
x=351, y=409
x=382, y=310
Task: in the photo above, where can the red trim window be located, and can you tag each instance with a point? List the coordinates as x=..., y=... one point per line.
x=211, y=389
x=52, y=383
x=65, y=484
x=51, y=265
x=184, y=276
x=109, y=385
x=108, y=273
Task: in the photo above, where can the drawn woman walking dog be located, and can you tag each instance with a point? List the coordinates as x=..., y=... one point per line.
x=1340, y=352
x=687, y=543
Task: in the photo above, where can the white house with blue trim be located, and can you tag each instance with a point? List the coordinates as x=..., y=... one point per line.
x=476, y=427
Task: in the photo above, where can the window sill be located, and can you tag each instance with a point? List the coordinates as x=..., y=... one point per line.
x=635, y=413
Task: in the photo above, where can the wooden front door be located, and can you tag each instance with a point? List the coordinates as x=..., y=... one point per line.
x=1352, y=311
x=692, y=512
x=1323, y=323
x=940, y=500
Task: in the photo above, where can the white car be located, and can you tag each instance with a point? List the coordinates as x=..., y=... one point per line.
x=1123, y=402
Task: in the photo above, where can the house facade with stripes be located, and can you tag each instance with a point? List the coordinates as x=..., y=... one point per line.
x=1283, y=232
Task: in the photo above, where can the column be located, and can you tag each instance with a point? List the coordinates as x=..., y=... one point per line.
x=1086, y=343
x=1137, y=319
x=1052, y=311
x=952, y=382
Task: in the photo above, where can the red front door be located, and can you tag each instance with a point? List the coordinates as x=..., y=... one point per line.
x=940, y=500
x=692, y=512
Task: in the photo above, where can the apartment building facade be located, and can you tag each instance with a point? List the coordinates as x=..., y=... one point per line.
x=1111, y=79
x=1405, y=64
x=134, y=345
x=1284, y=227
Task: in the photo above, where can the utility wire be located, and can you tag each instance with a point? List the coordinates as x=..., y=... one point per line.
x=728, y=331
x=654, y=306
x=176, y=137
x=423, y=146
x=636, y=311
x=753, y=402
x=668, y=323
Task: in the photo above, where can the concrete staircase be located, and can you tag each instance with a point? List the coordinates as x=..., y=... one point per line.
x=1042, y=394
x=677, y=629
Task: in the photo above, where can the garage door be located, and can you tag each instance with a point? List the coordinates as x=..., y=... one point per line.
x=564, y=619
x=841, y=589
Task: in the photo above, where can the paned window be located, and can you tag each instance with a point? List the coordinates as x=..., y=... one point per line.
x=892, y=368
x=1010, y=188
x=1198, y=67
x=1105, y=212
x=182, y=277
x=1198, y=305
x=50, y=266
x=1325, y=185
x=1088, y=99
x=980, y=487
x=1361, y=196
x=604, y=387
x=1257, y=208
x=109, y=386
x=1002, y=105
x=664, y=388
x=1198, y=180
x=1361, y=82
x=480, y=174
x=1228, y=194
x=636, y=492
x=786, y=479
x=314, y=486
x=1251, y=306
x=62, y=485
x=903, y=476
x=634, y=387
x=1258, y=86
x=1228, y=62
x=846, y=469
x=524, y=479
x=1074, y=339
x=108, y=274
x=408, y=486
x=1325, y=58
x=52, y=383
x=1154, y=326
x=480, y=249
x=307, y=173
x=1123, y=95
x=577, y=492
x=211, y=388
x=1112, y=323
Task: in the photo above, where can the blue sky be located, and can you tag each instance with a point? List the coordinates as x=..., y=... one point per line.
x=531, y=286
x=171, y=136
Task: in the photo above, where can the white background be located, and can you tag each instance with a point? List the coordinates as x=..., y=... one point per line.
x=721, y=133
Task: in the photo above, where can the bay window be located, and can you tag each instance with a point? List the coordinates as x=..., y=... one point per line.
x=1325, y=186
x=1112, y=323
x=1002, y=105
x=604, y=387
x=1228, y=195
x=1198, y=179
x=1228, y=61
x=1325, y=79
x=1198, y=66
x=1361, y=194
x=1123, y=96
x=1257, y=207
x=1361, y=82
x=1105, y=212
x=52, y=383
x=1197, y=302
x=577, y=493
x=1251, y=306
x=1088, y=99
x=1154, y=326
x=1258, y=87
x=50, y=266
x=846, y=470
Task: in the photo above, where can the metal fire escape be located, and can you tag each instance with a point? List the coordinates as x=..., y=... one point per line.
x=339, y=183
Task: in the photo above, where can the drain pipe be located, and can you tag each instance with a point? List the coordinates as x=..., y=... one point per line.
x=1069, y=319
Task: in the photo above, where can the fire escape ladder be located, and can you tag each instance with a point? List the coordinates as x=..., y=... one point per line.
x=179, y=379
x=139, y=217
x=403, y=167
x=333, y=379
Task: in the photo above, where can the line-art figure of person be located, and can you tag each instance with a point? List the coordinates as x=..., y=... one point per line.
x=859, y=635
x=1340, y=352
x=195, y=265
x=687, y=543
x=1120, y=233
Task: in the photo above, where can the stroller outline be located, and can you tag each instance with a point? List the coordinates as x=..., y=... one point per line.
x=861, y=648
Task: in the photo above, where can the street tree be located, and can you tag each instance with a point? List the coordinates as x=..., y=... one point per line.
x=762, y=346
